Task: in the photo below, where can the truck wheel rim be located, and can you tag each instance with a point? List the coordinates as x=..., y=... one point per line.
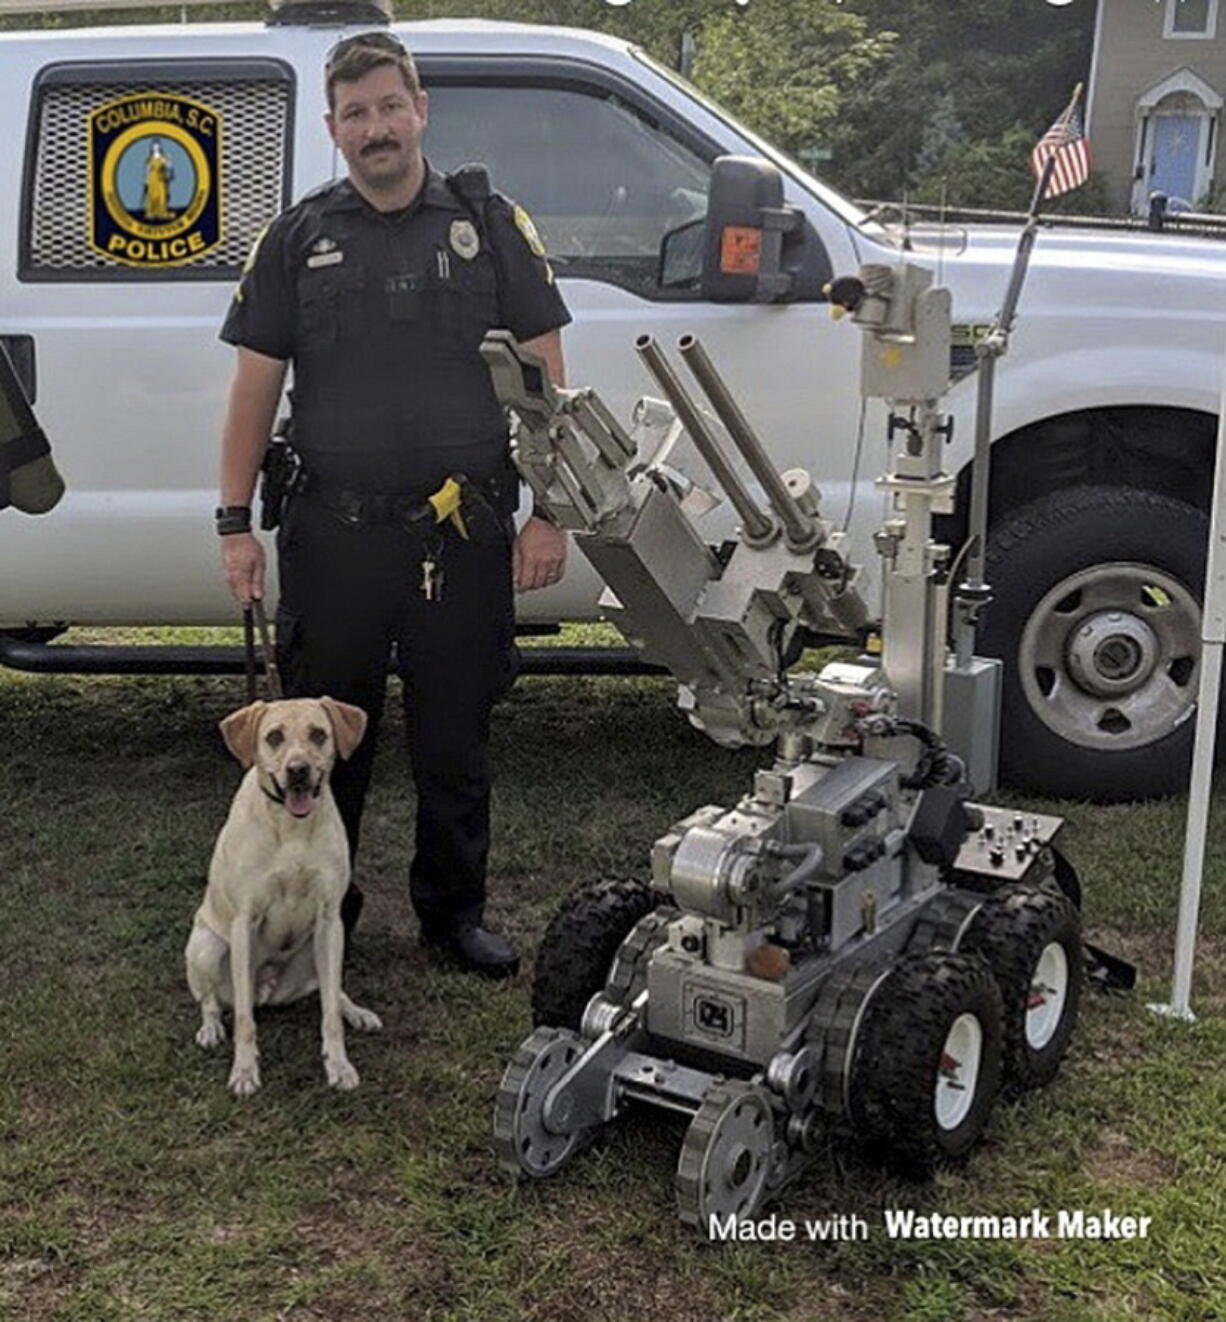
x=958, y=1071
x=1109, y=657
x=1047, y=996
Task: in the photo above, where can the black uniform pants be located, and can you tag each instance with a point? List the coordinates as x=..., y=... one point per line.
x=348, y=596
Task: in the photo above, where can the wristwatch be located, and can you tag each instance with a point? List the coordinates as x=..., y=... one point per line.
x=232, y=519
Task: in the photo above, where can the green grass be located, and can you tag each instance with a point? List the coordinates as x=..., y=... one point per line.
x=133, y=1187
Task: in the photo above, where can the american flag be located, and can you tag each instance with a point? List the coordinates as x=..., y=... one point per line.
x=1066, y=141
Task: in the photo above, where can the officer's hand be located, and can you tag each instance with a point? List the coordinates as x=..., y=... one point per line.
x=539, y=555
x=242, y=558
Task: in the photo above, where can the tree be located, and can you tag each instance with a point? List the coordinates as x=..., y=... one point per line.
x=942, y=136
x=982, y=174
x=998, y=65
x=783, y=65
x=780, y=65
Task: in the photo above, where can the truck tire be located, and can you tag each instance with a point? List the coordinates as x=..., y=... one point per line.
x=927, y=1065
x=1030, y=937
x=1096, y=618
x=580, y=943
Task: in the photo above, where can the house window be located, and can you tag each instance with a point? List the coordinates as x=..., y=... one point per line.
x=1191, y=18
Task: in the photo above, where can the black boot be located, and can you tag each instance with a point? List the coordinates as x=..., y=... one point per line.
x=475, y=949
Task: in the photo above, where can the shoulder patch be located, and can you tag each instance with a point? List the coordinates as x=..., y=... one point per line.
x=255, y=248
x=523, y=223
x=252, y=253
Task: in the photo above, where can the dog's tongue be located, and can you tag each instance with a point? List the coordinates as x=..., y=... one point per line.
x=299, y=802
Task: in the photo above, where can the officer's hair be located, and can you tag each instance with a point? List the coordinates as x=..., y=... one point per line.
x=357, y=60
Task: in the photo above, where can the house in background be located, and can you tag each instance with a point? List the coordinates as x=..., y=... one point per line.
x=1157, y=87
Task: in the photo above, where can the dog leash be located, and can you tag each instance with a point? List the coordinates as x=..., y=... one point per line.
x=253, y=618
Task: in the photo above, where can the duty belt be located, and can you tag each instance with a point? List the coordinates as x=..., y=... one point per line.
x=468, y=505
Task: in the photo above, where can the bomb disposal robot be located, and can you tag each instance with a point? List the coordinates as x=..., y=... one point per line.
x=854, y=946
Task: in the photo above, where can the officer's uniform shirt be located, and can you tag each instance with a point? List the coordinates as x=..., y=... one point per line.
x=383, y=314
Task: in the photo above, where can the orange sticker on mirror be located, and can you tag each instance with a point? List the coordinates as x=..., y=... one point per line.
x=740, y=251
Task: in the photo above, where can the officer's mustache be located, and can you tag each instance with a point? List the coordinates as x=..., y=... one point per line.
x=384, y=144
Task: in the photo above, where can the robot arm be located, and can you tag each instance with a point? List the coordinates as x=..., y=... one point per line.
x=580, y=487
x=719, y=622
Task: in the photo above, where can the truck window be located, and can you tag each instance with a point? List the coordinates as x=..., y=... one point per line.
x=603, y=183
x=153, y=170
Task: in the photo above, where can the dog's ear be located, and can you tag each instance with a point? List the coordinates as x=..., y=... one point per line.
x=239, y=730
x=348, y=724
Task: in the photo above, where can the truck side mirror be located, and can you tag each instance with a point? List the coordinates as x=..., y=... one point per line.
x=747, y=233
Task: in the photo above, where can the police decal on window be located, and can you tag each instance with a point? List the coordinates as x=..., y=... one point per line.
x=155, y=195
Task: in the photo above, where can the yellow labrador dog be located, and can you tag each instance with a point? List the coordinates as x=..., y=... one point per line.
x=269, y=930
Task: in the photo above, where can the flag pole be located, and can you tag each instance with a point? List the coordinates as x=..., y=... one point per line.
x=1213, y=636
x=973, y=593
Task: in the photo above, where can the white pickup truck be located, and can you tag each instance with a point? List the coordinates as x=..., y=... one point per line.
x=144, y=161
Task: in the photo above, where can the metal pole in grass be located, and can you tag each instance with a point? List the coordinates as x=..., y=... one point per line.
x=1213, y=636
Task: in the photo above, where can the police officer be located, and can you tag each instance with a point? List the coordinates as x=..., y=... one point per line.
x=379, y=289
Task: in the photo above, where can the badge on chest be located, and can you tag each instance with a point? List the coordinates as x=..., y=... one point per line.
x=464, y=240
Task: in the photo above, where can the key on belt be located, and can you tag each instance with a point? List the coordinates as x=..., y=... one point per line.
x=432, y=573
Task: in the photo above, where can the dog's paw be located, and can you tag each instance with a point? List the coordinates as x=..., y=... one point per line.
x=211, y=1033
x=244, y=1079
x=341, y=1073
x=356, y=1016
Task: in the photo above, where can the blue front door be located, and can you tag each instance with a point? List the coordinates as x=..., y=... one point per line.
x=1176, y=142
